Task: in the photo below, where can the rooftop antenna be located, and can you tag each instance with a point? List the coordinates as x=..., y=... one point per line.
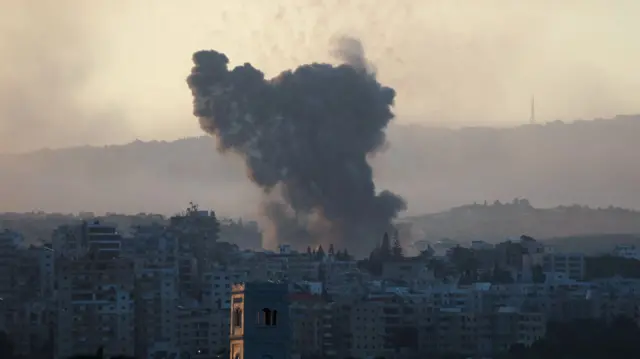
x=532, y=119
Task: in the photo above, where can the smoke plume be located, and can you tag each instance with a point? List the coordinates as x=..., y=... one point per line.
x=305, y=136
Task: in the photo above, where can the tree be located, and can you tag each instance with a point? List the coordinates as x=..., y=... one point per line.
x=385, y=247
x=396, y=251
x=524, y=237
x=346, y=256
x=437, y=266
x=501, y=276
x=193, y=209
x=464, y=259
x=538, y=274
x=374, y=263
x=609, y=266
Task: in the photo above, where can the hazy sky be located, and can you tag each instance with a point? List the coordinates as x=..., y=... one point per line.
x=110, y=71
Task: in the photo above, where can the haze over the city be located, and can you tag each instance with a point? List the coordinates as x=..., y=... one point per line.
x=78, y=73
x=104, y=72
x=319, y=179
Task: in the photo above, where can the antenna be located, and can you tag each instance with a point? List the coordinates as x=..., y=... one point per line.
x=532, y=119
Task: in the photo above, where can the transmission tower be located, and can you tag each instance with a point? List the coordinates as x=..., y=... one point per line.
x=532, y=119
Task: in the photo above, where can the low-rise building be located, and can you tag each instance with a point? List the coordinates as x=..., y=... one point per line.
x=627, y=251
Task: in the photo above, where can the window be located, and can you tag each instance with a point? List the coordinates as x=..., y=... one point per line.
x=266, y=315
x=237, y=318
x=274, y=317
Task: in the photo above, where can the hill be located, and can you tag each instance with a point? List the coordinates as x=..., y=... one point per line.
x=586, y=162
x=593, y=244
x=569, y=228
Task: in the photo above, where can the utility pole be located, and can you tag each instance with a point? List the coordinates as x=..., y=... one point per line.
x=532, y=119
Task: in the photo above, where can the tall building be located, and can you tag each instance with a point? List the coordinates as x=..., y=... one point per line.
x=102, y=240
x=156, y=299
x=197, y=234
x=312, y=332
x=260, y=327
x=10, y=244
x=95, y=306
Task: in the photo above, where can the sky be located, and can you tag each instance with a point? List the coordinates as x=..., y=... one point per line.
x=97, y=72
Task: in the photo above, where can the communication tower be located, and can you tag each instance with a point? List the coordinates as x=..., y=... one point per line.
x=532, y=118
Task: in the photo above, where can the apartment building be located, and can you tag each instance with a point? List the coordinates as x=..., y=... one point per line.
x=570, y=264
x=75, y=241
x=380, y=325
x=46, y=270
x=627, y=251
x=312, y=324
x=414, y=273
x=11, y=255
x=202, y=332
x=217, y=283
x=453, y=330
x=156, y=294
x=366, y=329
x=95, y=306
x=30, y=327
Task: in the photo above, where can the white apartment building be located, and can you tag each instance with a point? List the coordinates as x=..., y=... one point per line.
x=570, y=264
x=627, y=251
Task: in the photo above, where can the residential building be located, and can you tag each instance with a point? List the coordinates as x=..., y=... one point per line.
x=95, y=306
x=627, y=251
x=570, y=264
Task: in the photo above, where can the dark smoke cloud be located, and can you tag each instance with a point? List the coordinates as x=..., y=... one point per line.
x=305, y=136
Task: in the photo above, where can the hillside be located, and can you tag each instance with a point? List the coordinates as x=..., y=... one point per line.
x=593, y=244
x=587, y=162
x=566, y=227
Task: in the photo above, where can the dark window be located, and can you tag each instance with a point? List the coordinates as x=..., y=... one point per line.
x=267, y=316
x=237, y=318
x=274, y=317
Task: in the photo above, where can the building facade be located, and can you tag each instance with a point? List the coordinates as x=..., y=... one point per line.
x=260, y=321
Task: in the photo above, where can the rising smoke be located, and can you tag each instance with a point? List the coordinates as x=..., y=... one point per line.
x=305, y=136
